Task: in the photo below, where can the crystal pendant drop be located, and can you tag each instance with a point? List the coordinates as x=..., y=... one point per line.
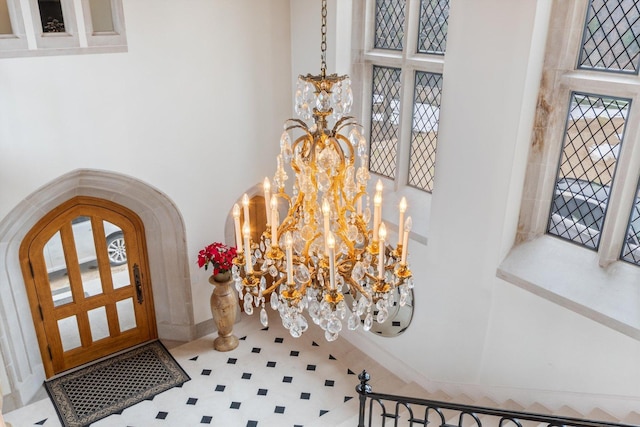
x=323, y=101
x=302, y=274
x=334, y=325
x=264, y=319
x=382, y=316
x=330, y=337
x=274, y=301
x=368, y=322
x=354, y=322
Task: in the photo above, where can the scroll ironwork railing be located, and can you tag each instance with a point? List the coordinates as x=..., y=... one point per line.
x=391, y=410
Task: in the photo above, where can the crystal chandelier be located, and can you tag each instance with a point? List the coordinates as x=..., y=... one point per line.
x=325, y=247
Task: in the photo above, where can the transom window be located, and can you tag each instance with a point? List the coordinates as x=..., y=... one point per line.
x=404, y=58
x=60, y=27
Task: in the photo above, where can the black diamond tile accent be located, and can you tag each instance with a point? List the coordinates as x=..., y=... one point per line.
x=162, y=415
x=192, y=401
x=311, y=367
x=262, y=391
x=220, y=387
x=298, y=425
x=206, y=420
x=256, y=350
x=350, y=372
x=396, y=323
x=41, y=423
x=244, y=338
x=322, y=412
x=305, y=396
x=246, y=376
x=271, y=364
x=279, y=410
x=279, y=340
x=235, y=405
x=194, y=358
x=287, y=379
x=331, y=357
x=206, y=372
x=315, y=344
x=232, y=361
x=329, y=383
x=251, y=423
x=265, y=329
x=294, y=353
x=348, y=398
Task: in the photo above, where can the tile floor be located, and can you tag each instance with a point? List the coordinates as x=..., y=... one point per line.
x=270, y=380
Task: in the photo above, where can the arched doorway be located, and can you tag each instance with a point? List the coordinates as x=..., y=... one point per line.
x=87, y=278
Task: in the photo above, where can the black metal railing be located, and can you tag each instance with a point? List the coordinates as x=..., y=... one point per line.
x=411, y=411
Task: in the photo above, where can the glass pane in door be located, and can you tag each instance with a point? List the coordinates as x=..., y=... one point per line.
x=69, y=333
x=116, y=249
x=98, y=323
x=57, y=271
x=126, y=315
x=86, y=252
x=5, y=20
x=101, y=16
x=51, y=16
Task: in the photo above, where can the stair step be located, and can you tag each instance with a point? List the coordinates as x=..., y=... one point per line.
x=600, y=415
x=566, y=411
x=632, y=418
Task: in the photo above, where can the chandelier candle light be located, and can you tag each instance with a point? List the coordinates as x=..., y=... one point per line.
x=329, y=249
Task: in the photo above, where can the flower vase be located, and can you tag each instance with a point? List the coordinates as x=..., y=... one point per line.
x=224, y=308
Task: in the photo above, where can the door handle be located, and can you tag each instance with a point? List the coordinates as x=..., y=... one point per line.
x=136, y=277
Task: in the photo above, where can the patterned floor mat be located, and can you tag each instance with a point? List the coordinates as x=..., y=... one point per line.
x=108, y=387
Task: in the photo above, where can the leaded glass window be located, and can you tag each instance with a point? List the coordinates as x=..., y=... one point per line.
x=592, y=141
x=434, y=16
x=385, y=118
x=389, y=25
x=424, y=135
x=611, y=36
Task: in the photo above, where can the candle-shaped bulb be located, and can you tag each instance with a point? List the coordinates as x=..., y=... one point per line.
x=266, y=185
x=245, y=200
x=408, y=224
x=288, y=240
x=331, y=241
x=403, y=205
x=246, y=231
x=326, y=208
x=274, y=202
x=377, y=199
x=382, y=232
x=379, y=186
x=236, y=211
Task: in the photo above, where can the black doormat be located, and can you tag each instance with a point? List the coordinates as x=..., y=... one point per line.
x=108, y=387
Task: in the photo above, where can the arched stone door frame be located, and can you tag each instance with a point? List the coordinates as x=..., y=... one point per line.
x=168, y=263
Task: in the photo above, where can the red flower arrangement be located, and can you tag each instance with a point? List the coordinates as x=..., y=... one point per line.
x=219, y=255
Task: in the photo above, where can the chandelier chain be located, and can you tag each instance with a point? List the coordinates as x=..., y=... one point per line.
x=323, y=43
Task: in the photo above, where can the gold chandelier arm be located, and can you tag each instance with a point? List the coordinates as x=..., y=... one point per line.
x=274, y=286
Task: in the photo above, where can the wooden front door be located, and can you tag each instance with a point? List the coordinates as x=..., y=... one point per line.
x=85, y=268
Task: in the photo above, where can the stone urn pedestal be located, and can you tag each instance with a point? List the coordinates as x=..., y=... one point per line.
x=224, y=308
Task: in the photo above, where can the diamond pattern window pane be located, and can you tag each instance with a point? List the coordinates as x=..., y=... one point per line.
x=631, y=246
x=389, y=31
x=385, y=118
x=426, y=111
x=592, y=141
x=611, y=36
x=434, y=15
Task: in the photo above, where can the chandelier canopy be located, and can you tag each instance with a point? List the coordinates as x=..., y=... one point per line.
x=329, y=244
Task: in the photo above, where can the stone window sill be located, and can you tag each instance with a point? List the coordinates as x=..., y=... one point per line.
x=569, y=275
